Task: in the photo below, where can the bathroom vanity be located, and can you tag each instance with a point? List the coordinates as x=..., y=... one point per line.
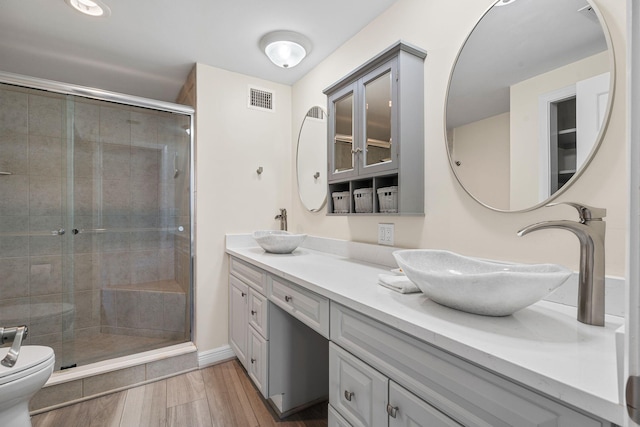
x=386, y=358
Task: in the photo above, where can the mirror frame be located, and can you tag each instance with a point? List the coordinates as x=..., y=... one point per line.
x=324, y=168
x=599, y=138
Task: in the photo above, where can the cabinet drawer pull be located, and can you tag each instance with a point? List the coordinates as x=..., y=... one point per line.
x=253, y=360
x=392, y=410
x=243, y=294
x=287, y=298
x=253, y=312
x=348, y=395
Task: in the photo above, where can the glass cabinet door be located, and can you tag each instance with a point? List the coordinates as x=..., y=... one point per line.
x=343, y=148
x=377, y=94
x=378, y=151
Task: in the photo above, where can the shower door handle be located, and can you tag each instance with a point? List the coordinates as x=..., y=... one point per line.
x=89, y=231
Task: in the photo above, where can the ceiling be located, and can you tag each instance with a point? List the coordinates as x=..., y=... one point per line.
x=147, y=47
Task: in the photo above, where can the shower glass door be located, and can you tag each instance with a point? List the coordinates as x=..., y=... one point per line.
x=95, y=240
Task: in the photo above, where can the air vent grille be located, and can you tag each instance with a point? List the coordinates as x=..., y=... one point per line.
x=260, y=99
x=316, y=113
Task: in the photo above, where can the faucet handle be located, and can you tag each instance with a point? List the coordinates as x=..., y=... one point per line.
x=586, y=213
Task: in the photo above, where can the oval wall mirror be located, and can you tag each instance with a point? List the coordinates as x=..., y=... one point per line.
x=311, y=159
x=528, y=101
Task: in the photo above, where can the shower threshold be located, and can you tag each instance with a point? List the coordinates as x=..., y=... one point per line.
x=91, y=349
x=108, y=376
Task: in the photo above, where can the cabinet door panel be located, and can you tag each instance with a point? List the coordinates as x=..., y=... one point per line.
x=356, y=390
x=379, y=126
x=407, y=410
x=238, y=296
x=342, y=134
x=257, y=361
x=258, y=313
x=335, y=419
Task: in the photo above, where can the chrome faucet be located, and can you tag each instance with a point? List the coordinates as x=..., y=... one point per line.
x=590, y=232
x=283, y=219
x=16, y=334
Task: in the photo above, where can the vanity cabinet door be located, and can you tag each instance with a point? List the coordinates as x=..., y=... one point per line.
x=407, y=410
x=356, y=390
x=257, y=361
x=258, y=315
x=238, y=309
x=335, y=419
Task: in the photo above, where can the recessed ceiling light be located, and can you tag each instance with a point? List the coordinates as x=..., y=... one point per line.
x=504, y=2
x=90, y=7
x=285, y=48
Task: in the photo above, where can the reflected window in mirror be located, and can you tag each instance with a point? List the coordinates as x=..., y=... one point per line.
x=513, y=74
x=378, y=106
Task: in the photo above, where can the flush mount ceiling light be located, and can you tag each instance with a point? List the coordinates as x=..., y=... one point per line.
x=90, y=7
x=285, y=48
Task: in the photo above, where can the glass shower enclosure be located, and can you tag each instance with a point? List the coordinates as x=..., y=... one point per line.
x=95, y=222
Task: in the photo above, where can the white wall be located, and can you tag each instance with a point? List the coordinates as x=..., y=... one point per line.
x=232, y=142
x=453, y=220
x=482, y=148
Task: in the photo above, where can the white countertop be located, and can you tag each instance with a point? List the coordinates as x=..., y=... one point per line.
x=542, y=347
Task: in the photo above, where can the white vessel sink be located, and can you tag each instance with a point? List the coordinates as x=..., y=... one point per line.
x=278, y=242
x=490, y=288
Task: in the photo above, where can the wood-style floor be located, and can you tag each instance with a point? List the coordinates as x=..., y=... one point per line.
x=220, y=395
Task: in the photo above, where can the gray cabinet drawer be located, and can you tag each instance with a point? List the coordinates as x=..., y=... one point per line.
x=470, y=395
x=356, y=390
x=308, y=307
x=258, y=314
x=249, y=274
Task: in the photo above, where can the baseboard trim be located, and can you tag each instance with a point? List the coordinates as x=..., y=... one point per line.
x=216, y=355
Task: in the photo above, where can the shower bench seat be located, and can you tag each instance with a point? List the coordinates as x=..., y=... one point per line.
x=152, y=309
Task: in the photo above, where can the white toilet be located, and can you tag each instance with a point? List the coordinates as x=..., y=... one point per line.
x=19, y=383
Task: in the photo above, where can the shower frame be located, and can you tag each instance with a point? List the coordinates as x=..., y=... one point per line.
x=133, y=101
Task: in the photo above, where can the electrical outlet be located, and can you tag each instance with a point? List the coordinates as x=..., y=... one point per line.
x=385, y=234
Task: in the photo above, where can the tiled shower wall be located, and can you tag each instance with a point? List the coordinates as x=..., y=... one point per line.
x=121, y=178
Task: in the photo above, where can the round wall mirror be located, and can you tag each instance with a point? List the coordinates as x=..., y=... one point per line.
x=311, y=159
x=529, y=100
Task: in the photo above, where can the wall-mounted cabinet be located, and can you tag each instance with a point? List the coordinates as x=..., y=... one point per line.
x=376, y=136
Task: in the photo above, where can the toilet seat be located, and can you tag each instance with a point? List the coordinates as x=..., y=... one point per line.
x=32, y=358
